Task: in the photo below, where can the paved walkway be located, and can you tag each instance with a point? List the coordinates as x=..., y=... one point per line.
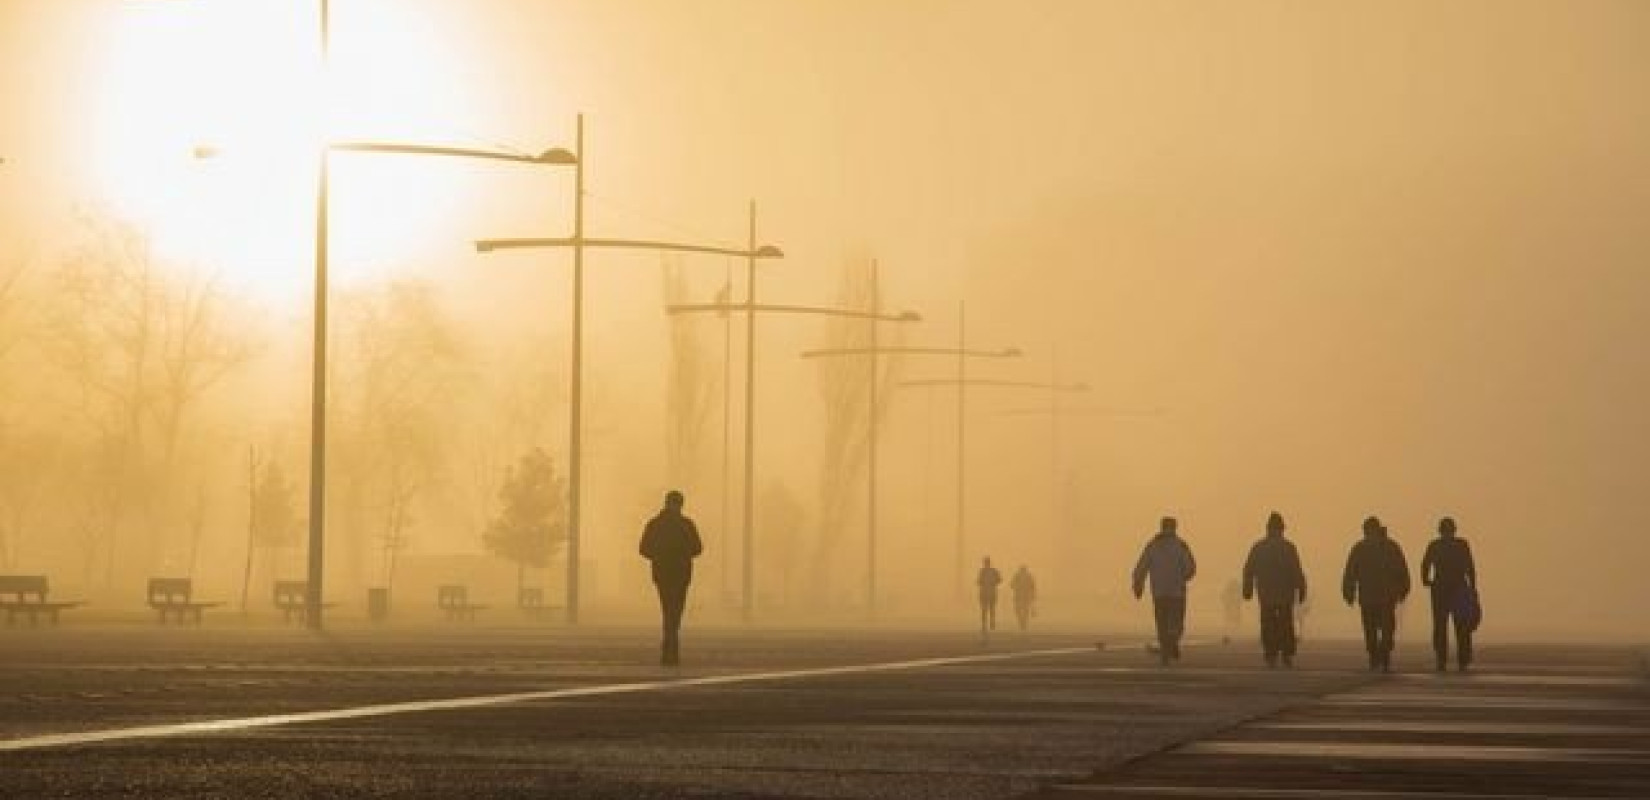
x=1559, y=725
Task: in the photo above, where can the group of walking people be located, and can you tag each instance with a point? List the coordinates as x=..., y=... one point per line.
x=1023, y=586
x=1376, y=579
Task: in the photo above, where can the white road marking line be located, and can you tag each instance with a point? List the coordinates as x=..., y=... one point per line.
x=482, y=701
x=1422, y=752
x=1245, y=792
x=1453, y=726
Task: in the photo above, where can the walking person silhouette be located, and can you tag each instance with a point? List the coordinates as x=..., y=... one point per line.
x=1447, y=567
x=1168, y=562
x=671, y=542
x=1377, y=578
x=988, y=580
x=1024, y=589
x=1274, y=570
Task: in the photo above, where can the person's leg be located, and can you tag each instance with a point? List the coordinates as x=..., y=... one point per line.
x=1177, y=625
x=1440, y=630
x=1389, y=633
x=1463, y=643
x=1160, y=614
x=675, y=599
x=1269, y=633
x=1286, y=633
x=1368, y=614
x=991, y=610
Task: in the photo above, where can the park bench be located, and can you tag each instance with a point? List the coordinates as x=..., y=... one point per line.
x=292, y=598
x=175, y=597
x=530, y=600
x=26, y=594
x=454, y=601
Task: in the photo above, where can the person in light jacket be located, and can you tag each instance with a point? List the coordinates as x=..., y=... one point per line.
x=1168, y=563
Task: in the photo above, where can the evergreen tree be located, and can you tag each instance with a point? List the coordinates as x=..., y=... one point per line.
x=531, y=524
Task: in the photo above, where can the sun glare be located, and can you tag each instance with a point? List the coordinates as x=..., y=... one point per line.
x=244, y=79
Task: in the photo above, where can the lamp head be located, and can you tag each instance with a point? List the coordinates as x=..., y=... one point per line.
x=559, y=156
x=1012, y=352
x=205, y=151
x=910, y=316
x=769, y=251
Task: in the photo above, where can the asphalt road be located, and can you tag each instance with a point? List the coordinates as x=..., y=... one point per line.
x=457, y=711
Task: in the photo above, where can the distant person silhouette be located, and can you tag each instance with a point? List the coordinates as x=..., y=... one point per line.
x=1447, y=567
x=1273, y=570
x=988, y=580
x=1231, y=600
x=1168, y=562
x=1024, y=589
x=671, y=542
x=1377, y=577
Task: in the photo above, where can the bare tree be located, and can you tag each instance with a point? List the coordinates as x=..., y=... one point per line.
x=844, y=388
x=141, y=346
x=401, y=369
x=692, y=386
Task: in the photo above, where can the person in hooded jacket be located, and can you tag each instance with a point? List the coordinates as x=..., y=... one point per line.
x=1377, y=579
x=671, y=542
x=1274, y=569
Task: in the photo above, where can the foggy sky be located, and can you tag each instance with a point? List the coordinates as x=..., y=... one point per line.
x=1330, y=259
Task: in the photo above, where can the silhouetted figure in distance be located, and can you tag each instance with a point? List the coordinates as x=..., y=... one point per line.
x=1024, y=589
x=1377, y=577
x=1447, y=567
x=671, y=542
x=1168, y=562
x=988, y=580
x=1231, y=599
x=1273, y=570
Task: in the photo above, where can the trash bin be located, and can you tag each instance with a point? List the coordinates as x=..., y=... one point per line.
x=378, y=604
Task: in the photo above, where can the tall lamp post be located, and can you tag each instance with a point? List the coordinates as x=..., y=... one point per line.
x=751, y=308
x=318, y=358
x=578, y=242
x=873, y=353
x=963, y=384
x=961, y=353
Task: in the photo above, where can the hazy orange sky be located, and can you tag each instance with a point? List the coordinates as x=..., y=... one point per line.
x=1380, y=257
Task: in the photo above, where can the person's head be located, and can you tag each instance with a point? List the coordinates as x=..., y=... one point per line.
x=1446, y=527
x=1373, y=527
x=1168, y=525
x=1274, y=524
x=985, y=562
x=674, y=500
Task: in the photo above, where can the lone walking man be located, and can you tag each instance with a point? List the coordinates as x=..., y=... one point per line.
x=671, y=542
x=1274, y=570
x=1024, y=589
x=1168, y=562
x=1377, y=578
x=988, y=580
x=1447, y=567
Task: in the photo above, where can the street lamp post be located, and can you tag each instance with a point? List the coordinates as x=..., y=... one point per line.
x=873, y=353
x=751, y=308
x=578, y=242
x=962, y=384
x=961, y=353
